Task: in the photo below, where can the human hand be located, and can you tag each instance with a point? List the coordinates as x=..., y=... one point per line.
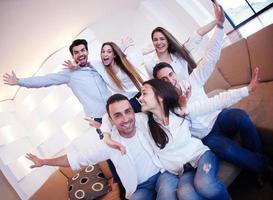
x=127, y=42
x=113, y=144
x=92, y=122
x=70, y=65
x=254, y=80
x=37, y=161
x=10, y=79
x=219, y=14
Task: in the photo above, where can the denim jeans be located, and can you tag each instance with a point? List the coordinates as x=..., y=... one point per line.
x=203, y=182
x=247, y=156
x=161, y=186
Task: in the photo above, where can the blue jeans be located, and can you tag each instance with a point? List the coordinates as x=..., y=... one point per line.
x=203, y=183
x=160, y=187
x=247, y=156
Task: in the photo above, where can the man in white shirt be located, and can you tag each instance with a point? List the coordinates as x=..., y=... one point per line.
x=139, y=169
x=214, y=129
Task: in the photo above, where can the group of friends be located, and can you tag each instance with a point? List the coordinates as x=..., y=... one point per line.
x=162, y=136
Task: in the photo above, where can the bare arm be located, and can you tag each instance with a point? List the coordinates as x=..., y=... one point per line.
x=61, y=161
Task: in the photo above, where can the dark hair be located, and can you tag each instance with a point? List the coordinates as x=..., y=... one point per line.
x=176, y=48
x=160, y=66
x=170, y=98
x=125, y=66
x=114, y=98
x=77, y=43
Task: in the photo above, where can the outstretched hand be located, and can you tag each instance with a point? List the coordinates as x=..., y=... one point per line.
x=10, y=79
x=219, y=13
x=127, y=42
x=37, y=161
x=254, y=80
x=92, y=122
x=72, y=65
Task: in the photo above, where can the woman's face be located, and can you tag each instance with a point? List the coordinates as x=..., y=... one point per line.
x=107, y=55
x=148, y=98
x=160, y=42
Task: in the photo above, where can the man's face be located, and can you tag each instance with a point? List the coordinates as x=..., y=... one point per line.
x=123, y=117
x=168, y=75
x=80, y=55
x=107, y=55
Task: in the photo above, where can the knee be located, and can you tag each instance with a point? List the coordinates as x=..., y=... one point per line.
x=210, y=189
x=186, y=191
x=240, y=114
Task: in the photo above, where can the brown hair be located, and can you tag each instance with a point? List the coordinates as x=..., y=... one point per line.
x=170, y=98
x=125, y=66
x=176, y=48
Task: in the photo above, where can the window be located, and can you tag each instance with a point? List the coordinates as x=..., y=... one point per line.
x=238, y=12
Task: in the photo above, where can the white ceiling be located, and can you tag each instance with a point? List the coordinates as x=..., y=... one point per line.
x=30, y=29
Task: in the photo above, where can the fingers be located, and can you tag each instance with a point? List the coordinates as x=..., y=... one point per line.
x=6, y=76
x=122, y=150
x=256, y=74
x=88, y=118
x=30, y=156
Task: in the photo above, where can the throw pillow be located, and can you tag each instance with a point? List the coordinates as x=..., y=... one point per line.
x=89, y=183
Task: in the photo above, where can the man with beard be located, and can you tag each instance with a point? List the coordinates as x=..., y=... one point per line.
x=139, y=169
x=85, y=82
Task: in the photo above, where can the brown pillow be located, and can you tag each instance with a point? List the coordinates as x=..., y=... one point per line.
x=89, y=183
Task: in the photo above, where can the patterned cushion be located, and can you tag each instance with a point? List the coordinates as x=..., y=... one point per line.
x=89, y=183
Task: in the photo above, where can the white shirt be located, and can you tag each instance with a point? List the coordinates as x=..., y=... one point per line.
x=124, y=164
x=141, y=159
x=202, y=125
x=179, y=65
x=182, y=146
x=86, y=83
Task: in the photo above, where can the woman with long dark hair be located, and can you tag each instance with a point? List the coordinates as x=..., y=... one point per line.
x=169, y=118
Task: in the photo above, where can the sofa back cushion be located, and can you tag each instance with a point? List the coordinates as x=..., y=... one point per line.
x=260, y=46
x=234, y=63
x=216, y=81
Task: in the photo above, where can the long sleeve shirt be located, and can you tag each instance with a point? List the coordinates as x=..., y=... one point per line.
x=179, y=65
x=86, y=84
x=182, y=148
x=128, y=166
x=202, y=125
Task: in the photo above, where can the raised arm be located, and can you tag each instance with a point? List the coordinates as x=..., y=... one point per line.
x=222, y=100
x=134, y=56
x=60, y=161
x=196, y=38
x=207, y=65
